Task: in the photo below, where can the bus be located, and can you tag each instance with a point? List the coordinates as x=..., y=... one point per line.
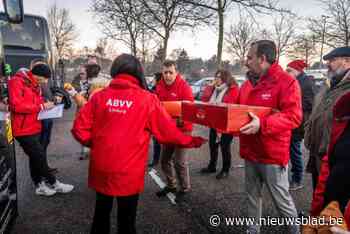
x=8, y=180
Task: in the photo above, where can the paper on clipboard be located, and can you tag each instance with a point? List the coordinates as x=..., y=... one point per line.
x=54, y=113
x=4, y=115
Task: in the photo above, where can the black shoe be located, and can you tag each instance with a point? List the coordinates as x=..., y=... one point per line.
x=208, y=170
x=165, y=191
x=181, y=196
x=53, y=170
x=222, y=175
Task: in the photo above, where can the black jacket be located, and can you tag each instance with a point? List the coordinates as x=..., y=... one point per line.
x=307, y=93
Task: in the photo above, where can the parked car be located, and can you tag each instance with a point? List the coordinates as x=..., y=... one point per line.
x=199, y=85
x=320, y=78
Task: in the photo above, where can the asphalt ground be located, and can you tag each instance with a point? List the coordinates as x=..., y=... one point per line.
x=73, y=212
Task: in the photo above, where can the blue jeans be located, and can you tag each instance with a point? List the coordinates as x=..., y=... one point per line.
x=296, y=159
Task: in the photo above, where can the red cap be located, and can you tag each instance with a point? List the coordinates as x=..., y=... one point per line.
x=298, y=65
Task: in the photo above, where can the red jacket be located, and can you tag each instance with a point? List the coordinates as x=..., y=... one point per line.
x=177, y=91
x=341, y=108
x=25, y=102
x=117, y=123
x=281, y=92
x=231, y=95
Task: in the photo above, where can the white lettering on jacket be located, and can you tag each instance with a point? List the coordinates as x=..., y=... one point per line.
x=119, y=103
x=266, y=96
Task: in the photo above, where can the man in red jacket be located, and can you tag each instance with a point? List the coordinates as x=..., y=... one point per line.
x=25, y=102
x=264, y=143
x=173, y=88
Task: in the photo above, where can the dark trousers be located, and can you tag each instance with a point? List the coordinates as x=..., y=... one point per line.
x=127, y=208
x=39, y=169
x=225, y=144
x=338, y=185
x=45, y=135
x=296, y=159
x=156, y=151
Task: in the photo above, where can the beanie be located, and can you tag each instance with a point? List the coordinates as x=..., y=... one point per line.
x=41, y=69
x=298, y=65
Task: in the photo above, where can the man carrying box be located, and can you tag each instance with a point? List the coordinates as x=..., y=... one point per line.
x=173, y=88
x=264, y=143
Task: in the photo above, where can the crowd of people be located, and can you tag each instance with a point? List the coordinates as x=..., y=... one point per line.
x=116, y=119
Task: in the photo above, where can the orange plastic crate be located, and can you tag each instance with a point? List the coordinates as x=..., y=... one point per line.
x=174, y=108
x=227, y=118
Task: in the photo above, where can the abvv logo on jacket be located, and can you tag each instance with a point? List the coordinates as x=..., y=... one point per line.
x=119, y=106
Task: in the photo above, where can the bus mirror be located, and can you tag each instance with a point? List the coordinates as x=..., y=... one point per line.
x=14, y=10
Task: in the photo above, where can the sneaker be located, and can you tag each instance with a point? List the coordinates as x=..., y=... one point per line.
x=62, y=188
x=43, y=190
x=295, y=186
x=165, y=191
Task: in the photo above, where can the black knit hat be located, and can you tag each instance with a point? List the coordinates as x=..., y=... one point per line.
x=42, y=69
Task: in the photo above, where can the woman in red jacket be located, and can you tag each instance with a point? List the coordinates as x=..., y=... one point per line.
x=117, y=124
x=223, y=90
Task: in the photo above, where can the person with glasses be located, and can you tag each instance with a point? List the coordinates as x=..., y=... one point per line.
x=223, y=90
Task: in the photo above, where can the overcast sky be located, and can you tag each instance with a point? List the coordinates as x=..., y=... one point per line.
x=201, y=44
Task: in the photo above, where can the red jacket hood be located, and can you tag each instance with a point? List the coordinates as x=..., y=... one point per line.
x=124, y=81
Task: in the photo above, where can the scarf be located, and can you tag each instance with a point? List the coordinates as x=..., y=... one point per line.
x=218, y=93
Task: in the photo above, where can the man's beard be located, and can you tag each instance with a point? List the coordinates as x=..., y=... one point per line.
x=338, y=72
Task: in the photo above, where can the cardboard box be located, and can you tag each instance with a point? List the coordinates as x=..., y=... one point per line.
x=226, y=118
x=174, y=108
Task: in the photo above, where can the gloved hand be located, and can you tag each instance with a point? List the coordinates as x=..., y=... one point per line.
x=70, y=89
x=196, y=142
x=8, y=69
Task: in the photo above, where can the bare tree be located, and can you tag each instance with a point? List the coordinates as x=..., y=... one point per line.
x=304, y=47
x=62, y=29
x=220, y=7
x=283, y=32
x=239, y=38
x=334, y=25
x=165, y=17
x=118, y=19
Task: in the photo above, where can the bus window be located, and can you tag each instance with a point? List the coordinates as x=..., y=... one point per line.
x=27, y=35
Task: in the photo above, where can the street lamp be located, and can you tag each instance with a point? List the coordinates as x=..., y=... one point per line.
x=324, y=20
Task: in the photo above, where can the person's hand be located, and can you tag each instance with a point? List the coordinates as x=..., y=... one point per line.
x=8, y=69
x=252, y=127
x=58, y=99
x=70, y=89
x=196, y=142
x=48, y=105
x=4, y=107
x=337, y=230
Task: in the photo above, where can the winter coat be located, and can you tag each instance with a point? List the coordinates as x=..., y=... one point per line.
x=25, y=102
x=231, y=95
x=308, y=94
x=341, y=117
x=177, y=91
x=278, y=90
x=117, y=123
